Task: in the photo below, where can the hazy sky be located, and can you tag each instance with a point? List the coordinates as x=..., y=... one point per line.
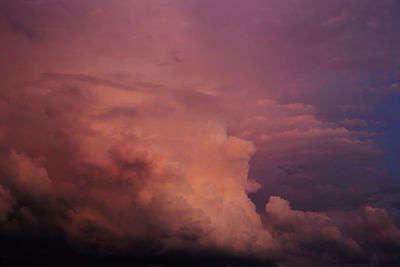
x=241, y=133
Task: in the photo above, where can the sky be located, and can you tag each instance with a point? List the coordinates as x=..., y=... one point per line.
x=200, y=133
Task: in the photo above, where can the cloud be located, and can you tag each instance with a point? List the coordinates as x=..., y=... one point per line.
x=19, y=28
x=296, y=151
x=5, y=203
x=310, y=233
x=377, y=231
x=124, y=171
x=159, y=130
x=163, y=178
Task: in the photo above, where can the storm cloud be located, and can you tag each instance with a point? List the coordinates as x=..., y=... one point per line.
x=206, y=133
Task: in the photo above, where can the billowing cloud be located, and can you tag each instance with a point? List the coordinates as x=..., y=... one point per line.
x=162, y=174
x=162, y=131
x=310, y=233
x=377, y=231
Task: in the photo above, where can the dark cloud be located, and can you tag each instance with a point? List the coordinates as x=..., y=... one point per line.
x=22, y=29
x=310, y=233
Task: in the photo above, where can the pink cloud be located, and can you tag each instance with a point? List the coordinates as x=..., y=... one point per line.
x=145, y=126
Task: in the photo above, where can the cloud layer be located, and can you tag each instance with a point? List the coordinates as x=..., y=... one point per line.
x=170, y=132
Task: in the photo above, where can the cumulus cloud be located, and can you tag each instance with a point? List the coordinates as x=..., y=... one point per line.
x=310, y=233
x=162, y=177
x=376, y=230
x=166, y=133
x=141, y=171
